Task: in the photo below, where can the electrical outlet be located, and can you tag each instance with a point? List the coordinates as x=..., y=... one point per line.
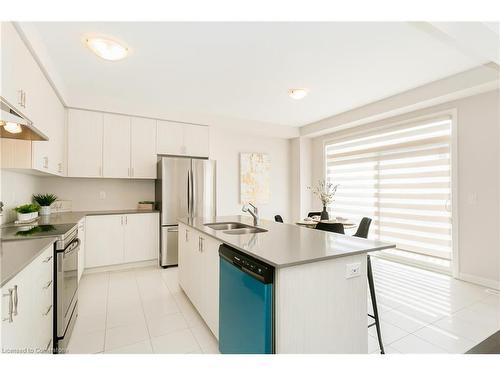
x=102, y=195
x=352, y=270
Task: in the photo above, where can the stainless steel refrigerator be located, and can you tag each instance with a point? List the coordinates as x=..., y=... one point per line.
x=184, y=187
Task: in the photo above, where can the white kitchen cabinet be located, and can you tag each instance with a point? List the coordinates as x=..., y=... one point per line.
x=26, y=88
x=175, y=138
x=196, y=140
x=141, y=237
x=29, y=327
x=81, y=252
x=117, y=239
x=199, y=273
x=142, y=148
x=116, y=146
x=104, y=240
x=85, y=131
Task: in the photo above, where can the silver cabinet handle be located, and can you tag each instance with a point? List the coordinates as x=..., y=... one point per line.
x=48, y=310
x=24, y=99
x=187, y=238
x=200, y=244
x=9, y=318
x=46, y=260
x=15, y=298
x=45, y=162
x=126, y=220
x=59, y=167
x=48, y=284
x=121, y=219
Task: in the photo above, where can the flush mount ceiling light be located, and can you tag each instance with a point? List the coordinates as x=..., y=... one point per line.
x=12, y=127
x=297, y=93
x=106, y=48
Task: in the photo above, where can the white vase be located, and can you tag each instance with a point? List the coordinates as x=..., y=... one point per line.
x=26, y=217
x=45, y=210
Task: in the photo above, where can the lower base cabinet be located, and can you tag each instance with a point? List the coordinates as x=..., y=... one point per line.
x=27, y=307
x=117, y=239
x=199, y=273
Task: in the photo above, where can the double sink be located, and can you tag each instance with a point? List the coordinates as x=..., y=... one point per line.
x=235, y=228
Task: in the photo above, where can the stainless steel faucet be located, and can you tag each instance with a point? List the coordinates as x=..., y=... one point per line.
x=254, y=213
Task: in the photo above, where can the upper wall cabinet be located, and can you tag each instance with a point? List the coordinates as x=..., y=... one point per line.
x=142, y=148
x=111, y=146
x=26, y=88
x=85, y=132
x=175, y=138
x=116, y=146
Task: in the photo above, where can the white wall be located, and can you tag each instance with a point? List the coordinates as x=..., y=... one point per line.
x=478, y=122
x=17, y=189
x=226, y=146
x=85, y=192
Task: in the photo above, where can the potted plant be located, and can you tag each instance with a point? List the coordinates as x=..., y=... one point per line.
x=44, y=200
x=325, y=191
x=27, y=212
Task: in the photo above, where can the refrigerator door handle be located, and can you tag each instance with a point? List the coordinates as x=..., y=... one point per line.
x=193, y=208
x=188, y=195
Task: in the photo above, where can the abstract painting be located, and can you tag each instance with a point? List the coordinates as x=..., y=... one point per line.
x=254, y=178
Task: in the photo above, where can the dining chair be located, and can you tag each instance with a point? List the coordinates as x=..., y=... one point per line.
x=331, y=227
x=362, y=232
x=314, y=213
x=363, y=228
x=278, y=218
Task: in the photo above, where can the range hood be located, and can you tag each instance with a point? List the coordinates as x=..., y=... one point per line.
x=16, y=126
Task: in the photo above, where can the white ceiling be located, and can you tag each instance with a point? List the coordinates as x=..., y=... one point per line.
x=198, y=72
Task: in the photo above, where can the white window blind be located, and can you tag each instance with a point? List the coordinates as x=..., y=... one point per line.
x=400, y=176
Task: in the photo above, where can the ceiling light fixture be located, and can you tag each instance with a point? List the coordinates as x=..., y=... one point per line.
x=12, y=127
x=106, y=48
x=297, y=93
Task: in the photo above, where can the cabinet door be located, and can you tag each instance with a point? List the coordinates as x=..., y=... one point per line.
x=143, y=148
x=196, y=140
x=210, y=283
x=170, y=138
x=16, y=66
x=116, y=146
x=84, y=143
x=81, y=252
x=17, y=334
x=104, y=240
x=141, y=237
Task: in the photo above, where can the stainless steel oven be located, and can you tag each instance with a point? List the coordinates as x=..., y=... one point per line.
x=66, y=276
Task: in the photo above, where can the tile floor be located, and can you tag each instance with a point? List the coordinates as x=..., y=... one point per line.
x=144, y=311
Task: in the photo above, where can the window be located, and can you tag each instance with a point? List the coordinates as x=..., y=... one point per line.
x=400, y=176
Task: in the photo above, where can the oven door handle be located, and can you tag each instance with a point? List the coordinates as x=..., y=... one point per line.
x=75, y=244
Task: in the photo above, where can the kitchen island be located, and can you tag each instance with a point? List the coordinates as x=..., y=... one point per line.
x=319, y=290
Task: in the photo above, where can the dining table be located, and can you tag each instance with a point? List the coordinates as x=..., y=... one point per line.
x=311, y=223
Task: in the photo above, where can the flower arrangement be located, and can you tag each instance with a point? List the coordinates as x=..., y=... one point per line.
x=325, y=191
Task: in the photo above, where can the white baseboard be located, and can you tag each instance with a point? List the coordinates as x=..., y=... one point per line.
x=490, y=283
x=120, y=267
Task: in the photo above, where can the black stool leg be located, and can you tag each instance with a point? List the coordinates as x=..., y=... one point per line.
x=374, y=305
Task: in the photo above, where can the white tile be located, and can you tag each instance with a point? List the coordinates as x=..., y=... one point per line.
x=160, y=307
x=125, y=335
x=176, y=342
x=143, y=347
x=450, y=342
x=124, y=316
x=390, y=333
x=422, y=314
x=399, y=319
x=473, y=331
x=89, y=323
x=390, y=350
x=204, y=336
x=163, y=325
x=482, y=314
x=412, y=344
x=211, y=349
x=88, y=343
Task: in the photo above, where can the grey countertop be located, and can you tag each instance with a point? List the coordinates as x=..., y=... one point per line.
x=16, y=255
x=285, y=245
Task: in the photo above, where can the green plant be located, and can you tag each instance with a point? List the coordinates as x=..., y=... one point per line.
x=27, y=208
x=44, y=199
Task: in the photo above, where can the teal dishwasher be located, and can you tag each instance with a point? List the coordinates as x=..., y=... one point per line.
x=245, y=304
